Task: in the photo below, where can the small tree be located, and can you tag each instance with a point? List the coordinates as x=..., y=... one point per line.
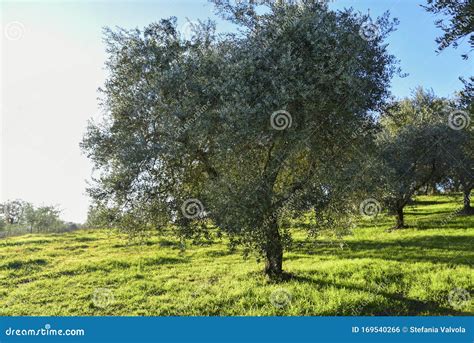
x=47, y=219
x=11, y=211
x=236, y=130
x=41, y=219
x=29, y=217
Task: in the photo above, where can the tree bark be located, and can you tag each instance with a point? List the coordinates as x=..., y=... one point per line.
x=273, y=251
x=467, y=201
x=434, y=189
x=400, y=218
x=426, y=190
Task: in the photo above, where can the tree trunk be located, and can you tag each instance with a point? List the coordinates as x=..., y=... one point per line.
x=426, y=190
x=434, y=189
x=400, y=218
x=467, y=201
x=273, y=251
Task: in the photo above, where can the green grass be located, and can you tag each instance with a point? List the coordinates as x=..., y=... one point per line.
x=423, y=270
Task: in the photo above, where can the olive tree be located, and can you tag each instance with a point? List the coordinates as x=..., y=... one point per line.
x=235, y=130
x=461, y=112
x=421, y=145
x=411, y=159
x=11, y=211
x=41, y=218
x=461, y=167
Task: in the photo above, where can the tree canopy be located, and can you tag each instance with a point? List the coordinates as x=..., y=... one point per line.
x=233, y=130
x=21, y=216
x=457, y=21
x=424, y=140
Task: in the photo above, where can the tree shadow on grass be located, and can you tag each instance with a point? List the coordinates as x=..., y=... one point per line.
x=154, y=261
x=433, y=202
x=32, y=242
x=30, y=264
x=411, y=213
x=416, y=249
x=135, y=243
x=401, y=305
x=85, y=239
x=75, y=247
x=219, y=253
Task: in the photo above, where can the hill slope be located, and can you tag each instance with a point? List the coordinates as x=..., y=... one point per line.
x=422, y=270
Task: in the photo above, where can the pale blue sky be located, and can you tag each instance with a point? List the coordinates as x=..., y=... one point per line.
x=49, y=78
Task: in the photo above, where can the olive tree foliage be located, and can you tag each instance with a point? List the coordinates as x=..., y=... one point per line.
x=457, y=21
x=41, y=218
x=411, y=159
x=462, y=168
x=11, y=211
x=20, y=217
x=422, y=108
x=418, y=146
x=237, y=130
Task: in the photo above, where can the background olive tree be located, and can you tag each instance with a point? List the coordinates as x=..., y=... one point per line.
x=461, y=114
x=42, y=218
x=425, y=142
x=21, y=217
x=11, y=211
x=413, y=147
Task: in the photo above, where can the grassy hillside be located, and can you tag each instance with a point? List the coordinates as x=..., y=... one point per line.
x=422, y=270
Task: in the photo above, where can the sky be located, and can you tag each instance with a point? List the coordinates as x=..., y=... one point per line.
x=52, y=59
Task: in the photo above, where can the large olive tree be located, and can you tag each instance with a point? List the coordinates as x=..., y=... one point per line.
x=235, y=130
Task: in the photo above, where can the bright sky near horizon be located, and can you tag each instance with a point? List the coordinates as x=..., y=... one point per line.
x=52, y=59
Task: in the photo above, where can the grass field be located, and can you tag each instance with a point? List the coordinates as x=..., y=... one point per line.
x=422, y=270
